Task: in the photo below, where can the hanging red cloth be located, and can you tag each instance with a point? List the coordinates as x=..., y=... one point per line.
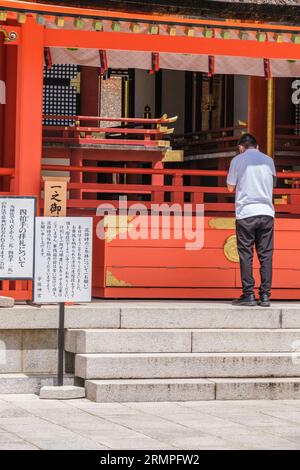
x=103, y=62
x=267, y=69
x=154, y=62
x=48, y=58
x=211, y=65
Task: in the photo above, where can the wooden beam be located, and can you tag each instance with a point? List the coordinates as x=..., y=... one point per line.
x=178, y=44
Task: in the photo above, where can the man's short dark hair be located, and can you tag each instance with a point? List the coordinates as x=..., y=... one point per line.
x=248, y=141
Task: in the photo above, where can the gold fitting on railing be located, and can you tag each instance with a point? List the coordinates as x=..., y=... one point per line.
x=8, y=36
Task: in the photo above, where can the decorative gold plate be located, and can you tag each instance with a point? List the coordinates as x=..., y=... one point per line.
x=230, y=249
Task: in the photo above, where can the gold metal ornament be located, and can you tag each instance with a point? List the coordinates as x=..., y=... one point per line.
x=227, y=223
x=173, y=156
x=8, y=36
x=75, y=82
x=113, y=281
x=230, y=249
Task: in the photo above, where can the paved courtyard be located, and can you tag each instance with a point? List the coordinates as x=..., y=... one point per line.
x=27, y=422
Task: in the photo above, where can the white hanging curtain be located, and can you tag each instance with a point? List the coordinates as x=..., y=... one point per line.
x=172, y=61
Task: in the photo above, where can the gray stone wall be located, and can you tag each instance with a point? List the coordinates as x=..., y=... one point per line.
x=28, y=351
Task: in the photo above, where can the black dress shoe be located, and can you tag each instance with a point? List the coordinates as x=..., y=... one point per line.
x=245, y=300
x=264, y=300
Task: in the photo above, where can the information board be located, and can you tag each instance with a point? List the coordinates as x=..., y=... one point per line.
x=17, y=215
x=63, y=259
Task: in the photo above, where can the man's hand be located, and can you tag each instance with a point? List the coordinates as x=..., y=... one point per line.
x=230, y=188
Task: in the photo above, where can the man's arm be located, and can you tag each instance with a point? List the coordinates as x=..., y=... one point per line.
x=232, y=176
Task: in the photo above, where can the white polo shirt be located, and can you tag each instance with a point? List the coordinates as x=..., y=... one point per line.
x=252, y=173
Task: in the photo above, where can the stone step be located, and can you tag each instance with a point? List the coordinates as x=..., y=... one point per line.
x=182, y=340
x=135, y=390
x=186, y=365
x=29, y=383
x=135, y=340
x=219, y=315
x=246, y=340
x=152, y=314
x=258, y=388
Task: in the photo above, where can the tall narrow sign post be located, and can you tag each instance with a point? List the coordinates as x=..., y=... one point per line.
x=61, y=344
x=62, y=271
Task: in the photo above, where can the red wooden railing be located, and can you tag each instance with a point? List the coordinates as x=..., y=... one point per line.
x=209, y=141
x=150, y=132
x=178, y=189
x=7, y=171
x=130, y=131
x=287, y=139
x=78, y=119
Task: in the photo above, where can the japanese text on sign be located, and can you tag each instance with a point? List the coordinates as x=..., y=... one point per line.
x=16, y=237
x=63, y=259
x=55, y=196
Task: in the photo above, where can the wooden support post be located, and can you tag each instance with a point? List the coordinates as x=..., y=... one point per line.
x=177, y=196
x=271, y=117
x=76, y=176
x=10, y=111
x=89, y=106
x=89, y=93
x=157, y=180
x=257, y=110
x=2, y=105
x=126, y=98
x=29, y=110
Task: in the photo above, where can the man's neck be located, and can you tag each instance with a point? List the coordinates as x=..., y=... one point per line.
x=250, y=148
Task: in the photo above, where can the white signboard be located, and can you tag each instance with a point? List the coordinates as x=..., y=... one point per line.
x=63, y=259
x=16, y=237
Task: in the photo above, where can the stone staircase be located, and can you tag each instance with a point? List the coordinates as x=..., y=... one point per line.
x=191, y=351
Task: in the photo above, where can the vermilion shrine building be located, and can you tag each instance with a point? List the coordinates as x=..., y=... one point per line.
x=150, y=106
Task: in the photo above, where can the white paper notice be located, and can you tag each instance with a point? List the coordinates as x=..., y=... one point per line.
x=16, y=237
x=63, y=259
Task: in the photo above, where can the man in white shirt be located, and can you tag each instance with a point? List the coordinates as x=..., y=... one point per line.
x=252, y=175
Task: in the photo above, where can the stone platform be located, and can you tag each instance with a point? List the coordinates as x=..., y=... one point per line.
x=156, y=350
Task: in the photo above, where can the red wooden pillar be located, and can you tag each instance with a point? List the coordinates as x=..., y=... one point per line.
x=2, y=106
x=76, y=157
x=257, y=110
x=89, y=93
x=89, y=106
x=10, y=111
x=29, y=109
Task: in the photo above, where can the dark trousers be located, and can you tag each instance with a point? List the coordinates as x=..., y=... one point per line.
x=258, y=231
